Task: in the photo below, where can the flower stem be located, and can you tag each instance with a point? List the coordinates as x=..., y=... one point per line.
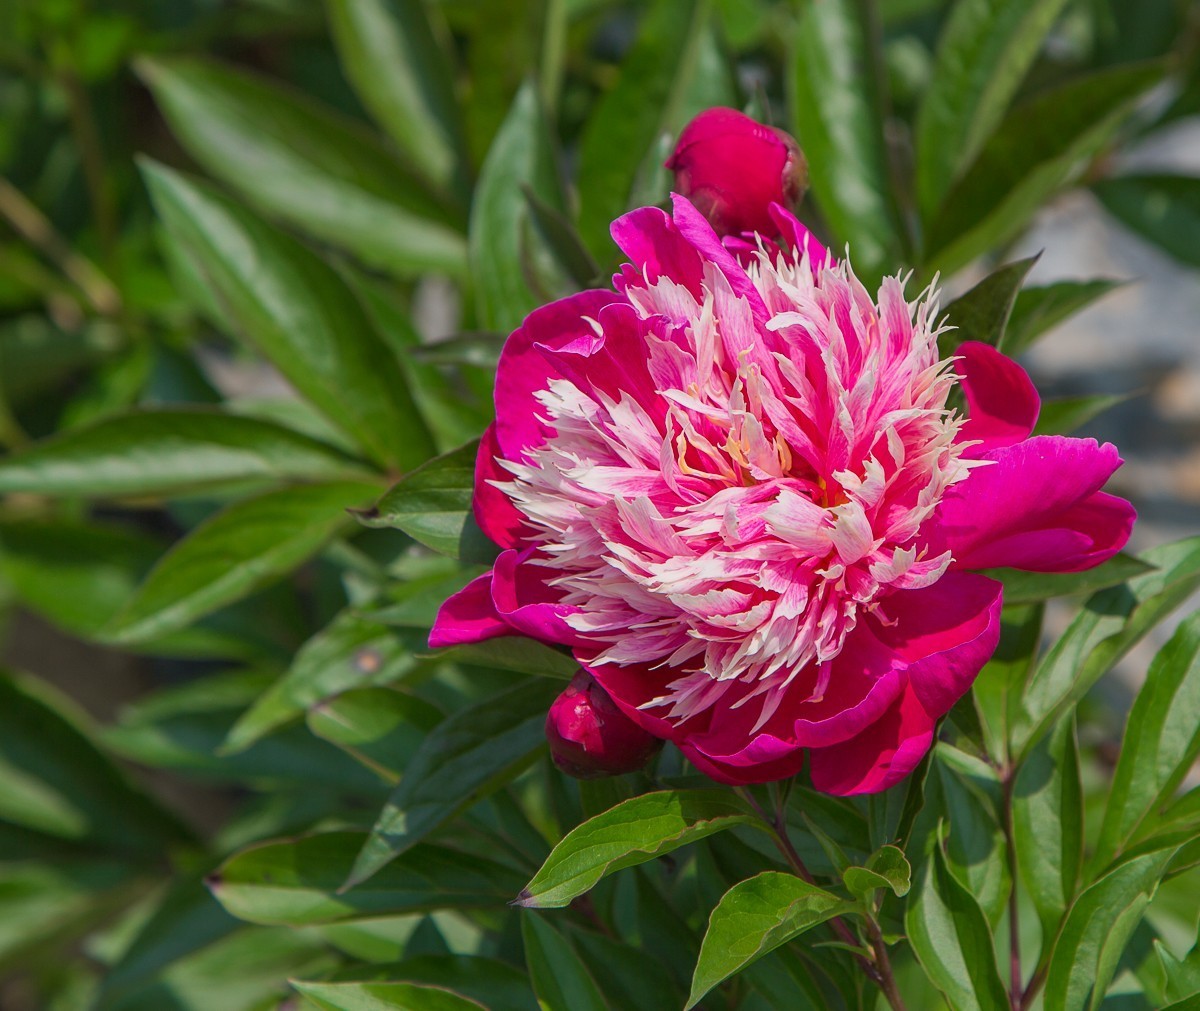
x=1016, y=980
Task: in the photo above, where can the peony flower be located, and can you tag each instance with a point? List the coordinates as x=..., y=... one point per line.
x=590, y=737
x=732, y=487
x=732, y=169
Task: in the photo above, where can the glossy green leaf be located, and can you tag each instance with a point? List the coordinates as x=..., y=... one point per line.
x=516, y=654
x=952, y=938
x=384, y=997
x=237, y=551
x=1162, y=208
x=560, y=980
x=629, y=978
x=674, y=69
x=297, y=881
x=631, y=833
x=998, y=687
x=984, y=52
x=838, y=124
x=1182, y=974
x=1110, y=623
x=55, y=779
x=380, y=727
x=1022, y=587
x=1096, y=930
x=755, y=917
x=1162, y=740
x=497, y=985
x=502, y=235
x=305, y=164
x=1063, y=415
x=470, y=754
x=1039, y=309
x=1038, y=148
x=297, y=310
x=887, y=868
x=169, y=452
x=388, y=51
x=1047, y=824
x=350, y=651
x=433, y=505
x=983, y=312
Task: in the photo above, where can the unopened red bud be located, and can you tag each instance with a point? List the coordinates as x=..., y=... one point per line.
x=733, y=168
x=590, y=737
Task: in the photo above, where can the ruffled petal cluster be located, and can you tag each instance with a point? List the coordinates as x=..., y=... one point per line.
x=733, y=487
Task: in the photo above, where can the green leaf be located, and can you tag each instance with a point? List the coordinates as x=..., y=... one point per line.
x=1162, y=740
x=838, y=124
x=55, y=779
x=673, y=71
x=381, y=727
x=887, y=868
x=239, y=550
x=300, y=313
x=952, y=938
x=169, y=452
x=560, y=980
x=998, y=687
x=498, y=985
x=1110, y=624
x=1096, y=930
x=1182, y=975
x=1022, y=587
x=469, y=755
x=1041, y=145
x=631, y=833
x=1162, y=208
x=629, y=978
x=1040, y=309
x=384, y=997
x=389, y=53
x=755, y=917
x=516, y=654
x=501, y=226
x=350, y=651
x=305, y=164
x=983, y=312
x=1047, y=824
x=983, y=55
x=433, y=505
x=297, y=882
x=1061, y=415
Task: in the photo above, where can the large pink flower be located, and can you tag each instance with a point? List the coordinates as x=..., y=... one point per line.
x=732, y=487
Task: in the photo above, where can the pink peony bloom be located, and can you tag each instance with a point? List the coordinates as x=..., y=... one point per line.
x=732, y=169
x=733, y=489
x=590, y=737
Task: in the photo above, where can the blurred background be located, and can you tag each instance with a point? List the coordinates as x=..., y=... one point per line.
x=97, y=315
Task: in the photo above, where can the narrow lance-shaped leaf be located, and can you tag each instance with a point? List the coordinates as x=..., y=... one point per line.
x=997, y=689
x=1032, y=154
x=381, y=727
x=633, y=832
x=296, y=882
x=466, y=757
x=1162, y=740
x=983, y=312
x=306, y=164
x=560, y=980
x=1047, y=824
x=170, y=452
x=1162, y=208
x=237, y=551
x=1039, y=309
x=755, y=917
x=1062, y=415
x=838, y=124
x=1021, y=587
x=391, y=56
x=377, y=996
x=296, y=309
x=983, y=54
x=1097, y=929
x=952, y=938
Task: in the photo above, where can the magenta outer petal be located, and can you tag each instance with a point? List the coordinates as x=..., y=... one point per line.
x=524, y=370
x=654, y=246
x=494, y=512
x=798, y=237
x=1037, y=507
x=526, y=603
x=468, y=616
x=879, y=757
x=945, y=633
x=1002, y=403
x=784, y=767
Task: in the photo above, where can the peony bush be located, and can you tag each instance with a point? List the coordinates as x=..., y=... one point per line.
x=563, y=484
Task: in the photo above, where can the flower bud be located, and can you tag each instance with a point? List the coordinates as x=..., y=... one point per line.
x=733, y=168
x=590, y=737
